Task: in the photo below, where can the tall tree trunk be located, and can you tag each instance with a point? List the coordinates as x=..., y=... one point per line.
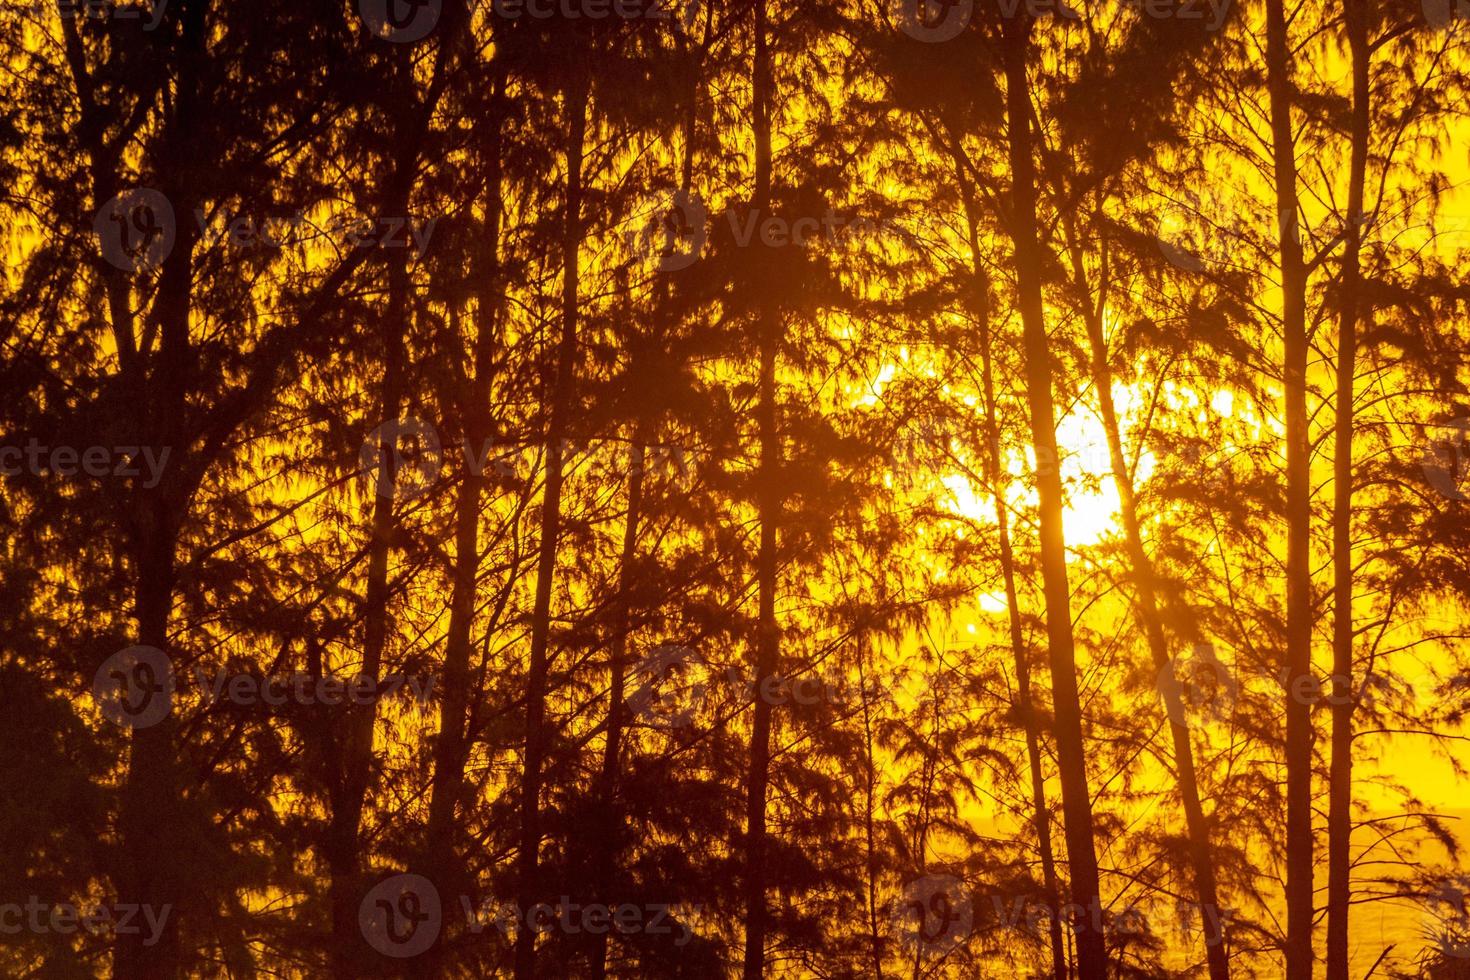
x=870, y=792
x=450, y=749
x=609, y=832
x=769, y=503
x=1340, y=778
x=1298, y=506
x=342, y=844
x=528, y=888
x=1071, y=753
x=1025, y=706
x=1144, y=577
x=153, y=870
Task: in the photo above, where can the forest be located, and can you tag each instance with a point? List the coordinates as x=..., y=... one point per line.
x=733, y=488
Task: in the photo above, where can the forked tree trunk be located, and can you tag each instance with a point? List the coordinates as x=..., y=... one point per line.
x=1340, y=778
x=1071, y=753
x=528, y=888
x=1298, y=506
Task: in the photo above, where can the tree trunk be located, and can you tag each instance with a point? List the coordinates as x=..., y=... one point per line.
x=342, y=842
x=528, y=890
x=1071, y=753
x=152, y=874
x=1040, y=815
x=1298, y=507
x=769, y=504
x=1200, y=853
x=1340, y=779
x=454, y=710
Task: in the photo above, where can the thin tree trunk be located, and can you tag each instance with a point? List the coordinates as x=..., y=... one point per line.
x=576, y=98
x=769, y=503
x=1071, y=752
x=1145, y=579
x=1040, y=815
x=450, y=749
x=342, y=843
x=1298, y=754
x=609, y=831
x=1340, y=778
x=870, y=789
